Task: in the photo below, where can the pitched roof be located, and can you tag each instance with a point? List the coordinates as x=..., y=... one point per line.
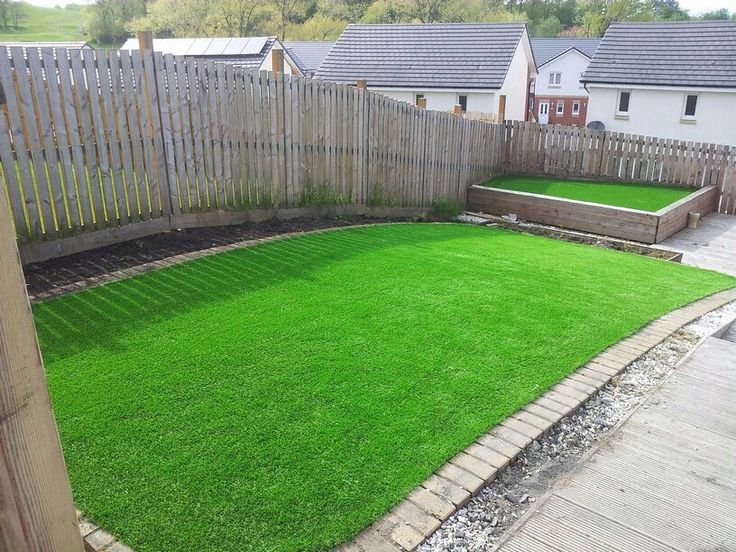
x=546, y=49
x=446, y=55
x=697, y=54
x=68, y=45
x=308, y=55
x=248, y=52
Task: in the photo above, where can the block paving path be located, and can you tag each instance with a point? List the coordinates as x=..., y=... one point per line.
x=666, y=481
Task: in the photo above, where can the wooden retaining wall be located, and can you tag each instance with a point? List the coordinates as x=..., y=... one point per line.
x=573, y=152
x=619, y=222
x=97, y=141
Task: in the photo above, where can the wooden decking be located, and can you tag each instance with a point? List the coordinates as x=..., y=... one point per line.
x=665, y=482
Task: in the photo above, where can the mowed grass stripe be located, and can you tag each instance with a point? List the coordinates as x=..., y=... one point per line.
x=644, y=197
x=282, y=397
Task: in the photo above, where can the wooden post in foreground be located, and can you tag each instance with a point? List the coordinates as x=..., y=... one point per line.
x=36, y=508
x=457, y=110
x=145, y=40
x=277, y=60
x=502, y=108
x=361, y=83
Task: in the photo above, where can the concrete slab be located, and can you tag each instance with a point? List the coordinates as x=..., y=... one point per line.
x=665, y=482
x=712, y=245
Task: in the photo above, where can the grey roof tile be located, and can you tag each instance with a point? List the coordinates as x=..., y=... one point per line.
x=308, y=55
x=546, y=49
x=697, y=54
x=445, y=55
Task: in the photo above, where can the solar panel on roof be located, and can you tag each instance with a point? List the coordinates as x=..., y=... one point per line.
x=217, y=46
x=198, y=46
x=175, y=46
x=254, y=45
x=234, y=46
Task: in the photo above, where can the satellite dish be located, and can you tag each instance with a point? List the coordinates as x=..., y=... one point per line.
x=596, y=125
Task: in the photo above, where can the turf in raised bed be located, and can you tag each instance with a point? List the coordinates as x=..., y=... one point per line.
x=282, y=397
x=633, y=196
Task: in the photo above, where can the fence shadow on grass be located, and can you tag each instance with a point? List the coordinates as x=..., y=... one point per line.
x=103, y=316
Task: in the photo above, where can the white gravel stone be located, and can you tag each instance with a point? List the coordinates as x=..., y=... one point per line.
x=480, y=524
x=464, y=217
x=712, y=321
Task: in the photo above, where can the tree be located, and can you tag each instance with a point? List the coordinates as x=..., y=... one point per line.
x=241, y=17
x=428, y=11
x=291, y=12
x=549, y=27
x=319, y=27
x=716, y=15
x=667, y=10
x=16, y=14
x=387, y=11
x=106, y=19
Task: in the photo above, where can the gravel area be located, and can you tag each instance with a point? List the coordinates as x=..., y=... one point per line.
x=480, y=524
x=472, y=219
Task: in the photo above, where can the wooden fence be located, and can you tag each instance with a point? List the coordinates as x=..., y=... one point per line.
x=98, y=141
x=532, y=148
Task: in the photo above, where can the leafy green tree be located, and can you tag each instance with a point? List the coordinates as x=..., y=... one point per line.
x=549, y=27
x=106, y=19
x=716, y=15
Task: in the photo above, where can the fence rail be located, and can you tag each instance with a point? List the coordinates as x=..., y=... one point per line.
x=98, y=147
x=95, y=140
x=533, y=148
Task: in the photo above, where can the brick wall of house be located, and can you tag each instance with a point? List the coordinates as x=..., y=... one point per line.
x=567, y=118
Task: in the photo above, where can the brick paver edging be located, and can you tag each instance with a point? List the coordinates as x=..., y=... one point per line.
x=447, y=490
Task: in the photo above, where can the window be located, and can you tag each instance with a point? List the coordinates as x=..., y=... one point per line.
x=560, y=107
x=463, y=102
x=417, y=98
x=575, y=109
x=555, y=79
x=623, y=103
x=691, y=105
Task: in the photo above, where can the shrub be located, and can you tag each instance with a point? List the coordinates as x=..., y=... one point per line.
x=446, y=209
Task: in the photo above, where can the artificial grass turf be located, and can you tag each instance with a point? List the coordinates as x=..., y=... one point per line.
x=632, y=196
x=282, y=397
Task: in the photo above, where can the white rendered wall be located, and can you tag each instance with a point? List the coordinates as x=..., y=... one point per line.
x=571, y=64
x=267, y=64
x=658, y=112
x=516, y=84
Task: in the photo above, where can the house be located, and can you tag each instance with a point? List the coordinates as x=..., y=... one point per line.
x=483, y=67
x=42, y=45
x=559, y=96
x=669, y=80
x=249, y=53
x=308, y=55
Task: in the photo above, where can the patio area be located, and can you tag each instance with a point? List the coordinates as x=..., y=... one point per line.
x=712, y=245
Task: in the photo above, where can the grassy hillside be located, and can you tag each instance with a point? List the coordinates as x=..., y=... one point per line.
x=46, y=24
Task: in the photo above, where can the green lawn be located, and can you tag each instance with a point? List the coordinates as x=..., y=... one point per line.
x=282, y=397
x=46, y=25
x=633, y=196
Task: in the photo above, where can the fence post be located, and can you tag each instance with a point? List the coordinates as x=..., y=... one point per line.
x=36, y=508
x=145, y=43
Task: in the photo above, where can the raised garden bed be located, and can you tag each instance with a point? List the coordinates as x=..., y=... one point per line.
x=608, y=215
